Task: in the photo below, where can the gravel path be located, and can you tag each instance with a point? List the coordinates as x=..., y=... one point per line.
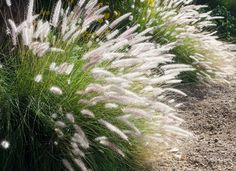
x=210, y=113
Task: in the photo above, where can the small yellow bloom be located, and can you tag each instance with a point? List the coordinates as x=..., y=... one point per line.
x=100, y=4
x=117, y=13
x=107, y=15
x=101, y=20
x=151, y=2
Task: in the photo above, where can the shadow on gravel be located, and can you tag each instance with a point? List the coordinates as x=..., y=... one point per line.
x=210, y=113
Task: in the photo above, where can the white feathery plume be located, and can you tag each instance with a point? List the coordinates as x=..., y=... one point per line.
x=125, y=119
x=26, y=36
x=111, y=106
x=68, y=31
x=174, y=66
x=101, y=73
x=59, y=132
x=120, y=45
x=64, y=68
x=126, y=62
x=54, y=115
x=81, y=3
x=80, y=164
x=136, y=112
x=175, y=91
x=94, y=88
x=26, y=23
x=148, y=30
x=39, y=48
x=170, y=71
x=125, y=100
x=56, y=14
x=129, y=31
x=88, y=21
x=112, y=147
x=101, y=10
x=125, y=83
x=87, y=113
x=8, y=2
x=139, y=39
x=80, y=137
x=113, y=128
x=112, y=34
x=56, y=90
x=69, y=34
x=101, y=29
x=76, y=151
x=190, y=23
x=5, y=144
x=118, y=96
x=119, y=20
x=30, y=11
x=60, y=50
x=132, y=75
x=52, y=66
x=159, y=106
x=69, y=69
x=13, y=31
x=67, y=165
x=178, y=131
x=64, y=24
x=41, y=29
x=101, y=138
x=70, y=117
x=115, y=80
x=38, y=78
x=60, y=124
x=163, y=79
x=90, y=5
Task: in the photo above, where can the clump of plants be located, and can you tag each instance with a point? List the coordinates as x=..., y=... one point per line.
x=190, y=27
x=78, y=92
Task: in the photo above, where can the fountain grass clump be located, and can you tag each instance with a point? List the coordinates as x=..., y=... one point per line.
x=78, y=92
x=190, y=28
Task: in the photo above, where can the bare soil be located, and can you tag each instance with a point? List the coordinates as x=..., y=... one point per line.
x=210, y=113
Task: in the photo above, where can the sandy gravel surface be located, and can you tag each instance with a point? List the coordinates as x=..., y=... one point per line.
x=210, y=113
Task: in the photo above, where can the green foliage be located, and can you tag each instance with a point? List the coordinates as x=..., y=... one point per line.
x=229, y=4
x=27, y=106
x=226, y=27
x=226, y=8
x=26, y=115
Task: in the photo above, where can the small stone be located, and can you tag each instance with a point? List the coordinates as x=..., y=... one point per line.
x=174, y=150
x=177, y=156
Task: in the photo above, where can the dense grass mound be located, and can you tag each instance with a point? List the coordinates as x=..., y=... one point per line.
x=78, y=92
x=190, y=28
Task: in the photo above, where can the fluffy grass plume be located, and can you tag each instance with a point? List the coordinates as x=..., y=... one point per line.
x=80, y=93
x=188, y=26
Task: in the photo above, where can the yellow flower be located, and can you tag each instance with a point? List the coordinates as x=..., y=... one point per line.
x=151, y=2
x=117, y=13
x=107, y=15
x=100, y=4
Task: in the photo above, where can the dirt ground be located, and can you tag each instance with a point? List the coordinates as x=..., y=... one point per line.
x=210, y=113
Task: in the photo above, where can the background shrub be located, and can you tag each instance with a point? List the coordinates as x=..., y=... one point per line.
x=227, y=8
